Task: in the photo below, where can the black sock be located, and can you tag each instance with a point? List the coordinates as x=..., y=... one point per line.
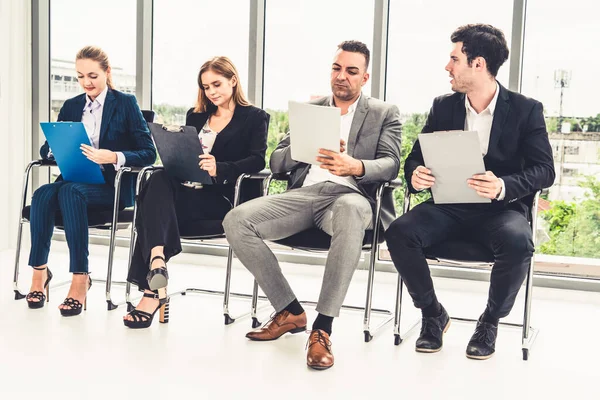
x=485, y=317
x=432, y=310
x=294, y=308
x=323, y=322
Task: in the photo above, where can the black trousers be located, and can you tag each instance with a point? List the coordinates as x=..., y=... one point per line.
x=506, y=233
x=166, y=210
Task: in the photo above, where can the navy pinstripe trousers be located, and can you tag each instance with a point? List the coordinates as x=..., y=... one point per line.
x=72, y=200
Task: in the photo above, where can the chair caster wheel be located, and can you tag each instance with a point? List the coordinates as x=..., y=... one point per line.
x=19, y=296
x=228, y=319
x=110, y=305
x=397, y=340
x=525, y=354
x=368, y=336
x=255, y=323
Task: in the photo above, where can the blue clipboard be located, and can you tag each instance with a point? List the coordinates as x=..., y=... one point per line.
x=65, y=139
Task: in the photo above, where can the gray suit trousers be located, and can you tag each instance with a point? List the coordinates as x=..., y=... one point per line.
x=338, y=210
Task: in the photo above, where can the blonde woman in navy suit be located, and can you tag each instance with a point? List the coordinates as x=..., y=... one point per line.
x=234, y=137
x=119, y=137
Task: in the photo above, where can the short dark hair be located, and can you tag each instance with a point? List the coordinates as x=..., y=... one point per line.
x=355, y=46
x=482, y=40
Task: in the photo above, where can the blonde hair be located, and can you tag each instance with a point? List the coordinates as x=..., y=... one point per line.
x=222, y=66
x=96, y=54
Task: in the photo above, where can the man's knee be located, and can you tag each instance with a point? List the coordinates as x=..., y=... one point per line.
x=515, y=242
x=401, y=231
x=352, y=208
x=235, y=220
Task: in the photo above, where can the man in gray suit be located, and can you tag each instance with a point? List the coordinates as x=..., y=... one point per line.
x=338, y=198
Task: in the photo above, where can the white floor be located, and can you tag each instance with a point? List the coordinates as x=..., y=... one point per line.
x=43, y=355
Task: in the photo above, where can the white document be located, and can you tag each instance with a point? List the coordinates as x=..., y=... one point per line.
x=453, y=157
x=312, y=128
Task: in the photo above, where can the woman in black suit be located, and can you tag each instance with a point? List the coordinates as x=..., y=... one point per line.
x=234, y=138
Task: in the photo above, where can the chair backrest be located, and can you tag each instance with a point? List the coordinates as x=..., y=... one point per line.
x=148, y=115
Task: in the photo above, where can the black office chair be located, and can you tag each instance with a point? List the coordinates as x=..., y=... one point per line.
x=105, y=219
x=474, y=255
x=208, y=230
x=315, y=239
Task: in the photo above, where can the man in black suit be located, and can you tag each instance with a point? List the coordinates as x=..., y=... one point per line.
x=518, y=160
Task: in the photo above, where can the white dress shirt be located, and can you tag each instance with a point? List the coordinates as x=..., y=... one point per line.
x=207, y=137
x=482, y=124
x=317, y=174
x=92, y=121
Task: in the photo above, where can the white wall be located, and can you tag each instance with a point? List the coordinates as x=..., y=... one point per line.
x=15, y=111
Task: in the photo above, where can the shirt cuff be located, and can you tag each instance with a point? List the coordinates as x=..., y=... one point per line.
x=502, y=192
x=120, y=160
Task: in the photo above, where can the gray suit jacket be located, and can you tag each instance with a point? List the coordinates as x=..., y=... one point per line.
x=374, y=139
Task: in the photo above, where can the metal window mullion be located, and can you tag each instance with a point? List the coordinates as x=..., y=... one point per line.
x=143, y=51
x=256, y=52
x=40, y=80
x=516, y=46
x=380, y=47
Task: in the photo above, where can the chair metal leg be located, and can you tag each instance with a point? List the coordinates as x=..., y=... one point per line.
x=253, y=311
x=18, y=294
x=400, y=336
x=529, y=334
x=113, y=234
x=227, y=292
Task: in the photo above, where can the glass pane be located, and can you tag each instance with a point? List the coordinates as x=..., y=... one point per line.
x=70, y=31
x=300, y=44
x=186, y=34
x=560, y=70
x=301, y=39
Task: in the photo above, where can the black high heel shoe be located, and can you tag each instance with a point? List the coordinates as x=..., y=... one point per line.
x=157, y=278
x=40, y=295
x=142, y=319
x=74, y=304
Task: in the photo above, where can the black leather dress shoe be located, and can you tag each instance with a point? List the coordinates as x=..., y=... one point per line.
x=432, y=331
x=483, y=342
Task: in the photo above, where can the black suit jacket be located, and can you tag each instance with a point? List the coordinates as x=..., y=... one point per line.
x=239, y=148
x=519, y=150
x=123, y=129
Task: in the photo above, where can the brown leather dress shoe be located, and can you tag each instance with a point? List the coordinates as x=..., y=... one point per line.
x=319, y=355
x=280, y=323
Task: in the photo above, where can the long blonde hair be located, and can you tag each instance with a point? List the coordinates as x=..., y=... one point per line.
x=222, y=66
x=96, y=54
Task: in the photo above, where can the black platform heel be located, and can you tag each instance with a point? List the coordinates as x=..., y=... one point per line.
x=142, y=319
x=157, y=278
x=40, y=295
x=75, y=305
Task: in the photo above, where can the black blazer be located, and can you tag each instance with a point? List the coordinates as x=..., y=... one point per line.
x=123, y=129
x=239, y=148
x=519, y=150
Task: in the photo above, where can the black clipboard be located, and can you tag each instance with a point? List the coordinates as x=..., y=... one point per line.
x=179, y=148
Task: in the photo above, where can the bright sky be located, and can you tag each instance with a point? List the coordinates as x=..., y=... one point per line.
x=301, y=38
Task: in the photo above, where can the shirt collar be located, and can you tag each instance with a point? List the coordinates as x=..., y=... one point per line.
x=352, y=106
x=100, y=99
x=491, y=107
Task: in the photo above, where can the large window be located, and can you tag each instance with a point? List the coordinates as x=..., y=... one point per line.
x=419, y=46
x=186, y=34
x=301, y=38
x=560, y=69
x=113, y=29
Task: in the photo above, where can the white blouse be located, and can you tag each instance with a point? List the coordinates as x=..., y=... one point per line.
x=207, y=136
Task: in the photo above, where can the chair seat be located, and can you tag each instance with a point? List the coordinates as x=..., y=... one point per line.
x=316, y=239
x=460, y=250
x=96, y=217
x=207, y=229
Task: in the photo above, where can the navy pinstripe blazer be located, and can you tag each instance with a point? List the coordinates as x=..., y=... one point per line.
x=123, y=129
